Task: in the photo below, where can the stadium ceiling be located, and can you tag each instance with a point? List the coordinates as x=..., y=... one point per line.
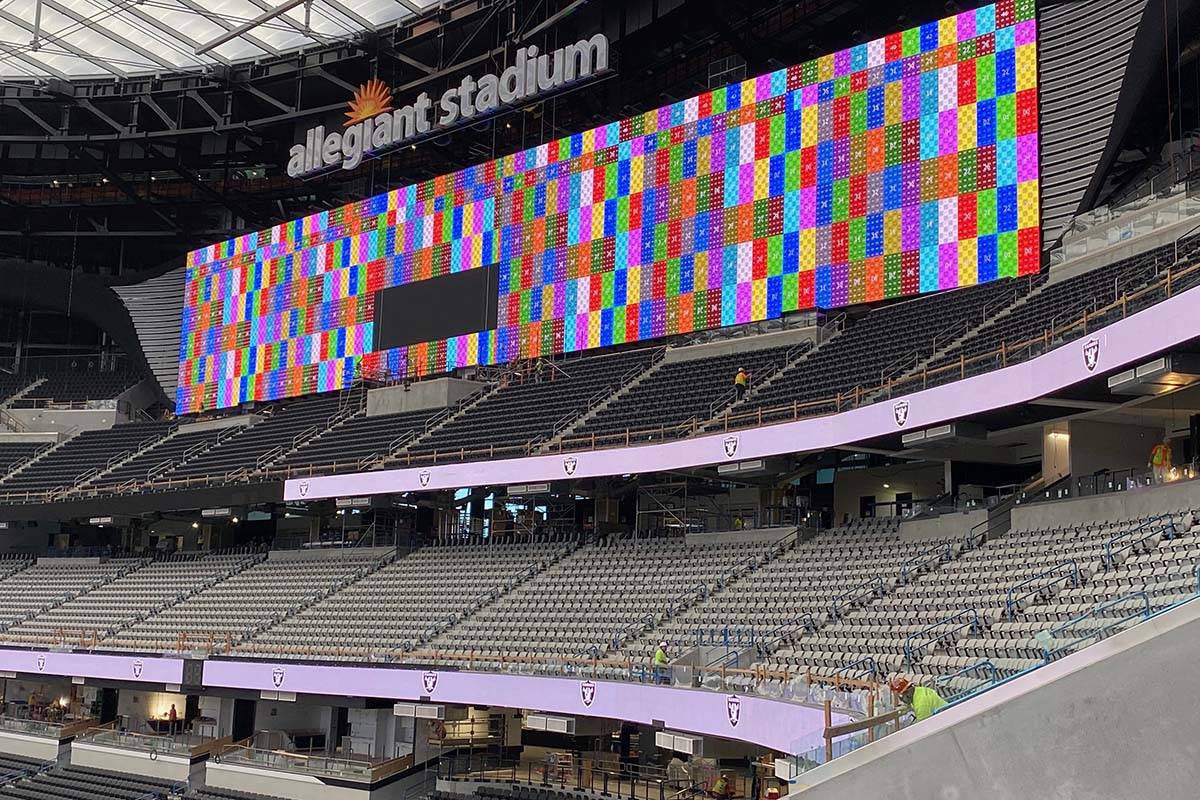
x=69, y=39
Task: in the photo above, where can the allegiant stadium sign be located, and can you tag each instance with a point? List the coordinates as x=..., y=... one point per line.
x=374, y=125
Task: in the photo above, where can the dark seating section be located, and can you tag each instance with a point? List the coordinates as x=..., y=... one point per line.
x=13, y=767
x=83, y=453
x=166, y=455
x=1061, y=303
x=80, y=387
x=13, y=454
x=281, y=427
x=11, y=384
x=679, y=391
x=883, y=343
x=361, y=437
x=523, y=411
x=85, y=783
x=211, y=793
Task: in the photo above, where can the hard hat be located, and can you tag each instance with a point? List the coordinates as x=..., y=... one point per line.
x=663, y=645
x=899, y=685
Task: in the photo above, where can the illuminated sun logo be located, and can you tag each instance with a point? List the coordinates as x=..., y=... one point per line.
x=370, y=100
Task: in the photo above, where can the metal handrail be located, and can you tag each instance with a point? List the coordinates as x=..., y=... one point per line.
x=1012, y=601
x=1109, y=562
x=967, y=619
x=873, y=588
x=865, y=661
x=939, y=553
x=1096, y=633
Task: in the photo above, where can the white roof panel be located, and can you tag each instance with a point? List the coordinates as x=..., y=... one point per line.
x=107, y=38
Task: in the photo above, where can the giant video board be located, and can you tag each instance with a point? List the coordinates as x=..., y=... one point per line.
x=905, y=165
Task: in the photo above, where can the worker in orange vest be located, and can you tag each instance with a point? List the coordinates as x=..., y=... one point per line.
x=1160, y=461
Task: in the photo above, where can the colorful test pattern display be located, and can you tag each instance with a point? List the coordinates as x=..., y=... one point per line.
x=905, y=165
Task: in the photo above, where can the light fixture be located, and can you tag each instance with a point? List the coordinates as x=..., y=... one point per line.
x=234, y=520
x=887, y=486
x=195, y=524
x=508, y=124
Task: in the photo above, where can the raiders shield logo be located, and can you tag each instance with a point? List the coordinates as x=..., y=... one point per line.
x=137, y=668
x=277, y=677
x=733, y=705
x=1091, y=353
x=423, y=477
x=731, y=445
x=900, y=412
x=569, y=465
x=41, y=662
x=587, y=692
x=429, y=681
x=303, y=487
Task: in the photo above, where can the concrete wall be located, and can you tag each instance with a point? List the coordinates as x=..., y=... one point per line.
x=723, y=347
x=945, y=526
x=277, y=783
x=137, y=762
x=1139, y=502
x=60, y=420
x=19, y=744
x=1114, y=720
x=419, y=395
x=1096, y=446
x=924, y=480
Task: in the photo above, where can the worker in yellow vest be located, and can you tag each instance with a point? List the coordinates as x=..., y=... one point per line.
x=1160, y=461
x=921, y=700
x=739, y=382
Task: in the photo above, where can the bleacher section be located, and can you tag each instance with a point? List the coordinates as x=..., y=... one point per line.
x=284, y=428
x=404, y=601
x=862, y=600
x=683, y=392
x=1058, y=304
x=565, y=391
x=85, y=783
x=362, y=438
x=81, y=387
x=211, y=793
x=122, y=601
x=591, y=601
x=885, y=343
x=235, y=608
x=85, y=456
x=168, y=454
x=53, y=581
x=14, y=454
x=13, y=767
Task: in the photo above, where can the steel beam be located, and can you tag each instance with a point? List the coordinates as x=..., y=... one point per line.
x=102, y=63
x=271, y=13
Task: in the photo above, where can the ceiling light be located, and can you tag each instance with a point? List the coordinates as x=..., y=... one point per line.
x=195, y=524
x=234, y=520
x=887, y=486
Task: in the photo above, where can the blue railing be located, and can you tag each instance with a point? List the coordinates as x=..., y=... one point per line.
x=805, y=622
x=868, y=664
x=1111, y=624
x=940, y=631
x=871, y=588
x=984, y=667
x=1109, y=551
x=726, y=637
x=1062, y=571
x=939, y=554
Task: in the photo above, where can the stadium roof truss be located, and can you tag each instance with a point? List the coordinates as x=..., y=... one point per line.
x=72, y=39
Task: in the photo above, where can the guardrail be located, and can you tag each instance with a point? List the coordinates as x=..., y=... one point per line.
x=1063, y=572
x=1106, y=627
x=938, y=554
x=940, y=632
x=1113, y=547
x=872, y=588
